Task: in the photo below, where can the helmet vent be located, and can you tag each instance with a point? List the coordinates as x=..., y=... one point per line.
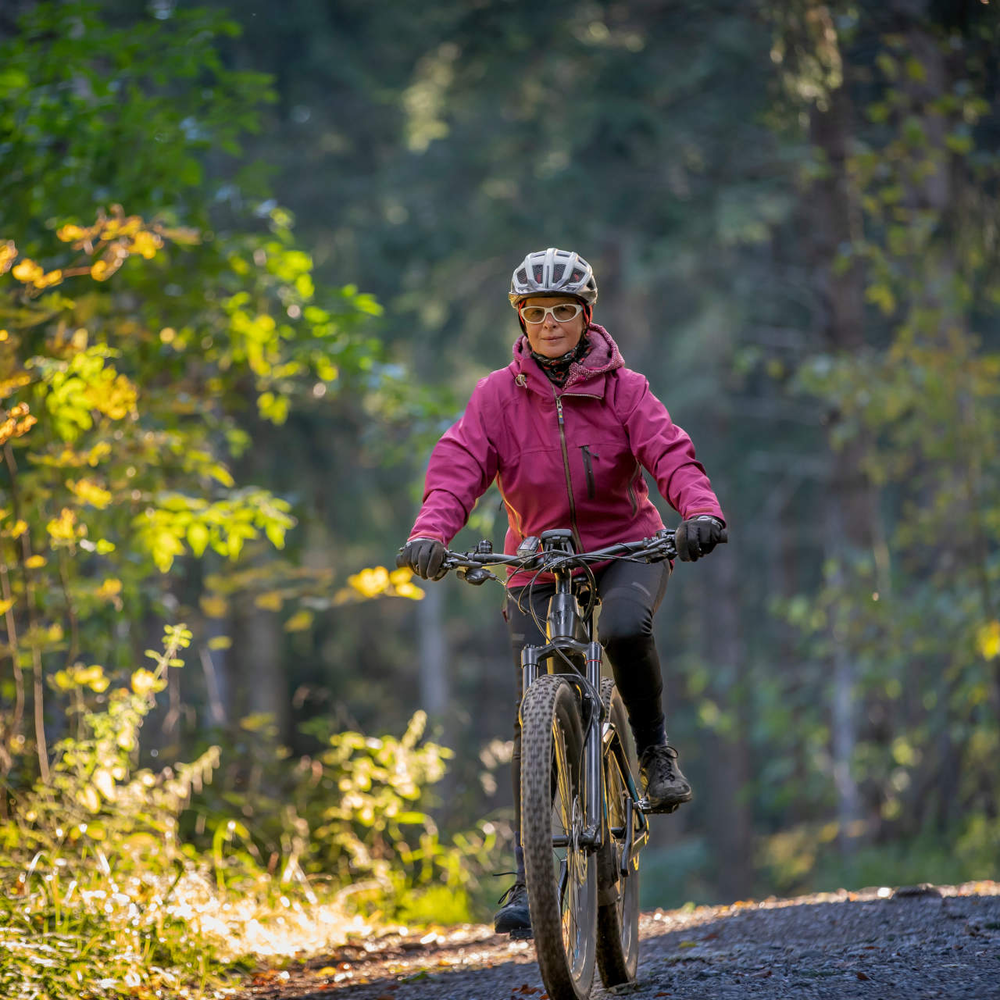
x=553, y=272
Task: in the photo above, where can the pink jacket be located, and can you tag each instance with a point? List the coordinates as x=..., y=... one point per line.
x=564, y=458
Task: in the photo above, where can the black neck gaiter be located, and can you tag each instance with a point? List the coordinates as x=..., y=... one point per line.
x=557, y=369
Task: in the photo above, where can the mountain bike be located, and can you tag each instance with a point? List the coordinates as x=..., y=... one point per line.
x=583, y=822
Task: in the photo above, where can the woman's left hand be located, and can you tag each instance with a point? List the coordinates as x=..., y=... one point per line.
x=697, y=537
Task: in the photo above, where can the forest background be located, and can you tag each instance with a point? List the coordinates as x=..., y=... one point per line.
x=257, y=258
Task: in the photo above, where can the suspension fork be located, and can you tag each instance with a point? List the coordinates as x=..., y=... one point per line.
x=561, y=622
x=593, y=746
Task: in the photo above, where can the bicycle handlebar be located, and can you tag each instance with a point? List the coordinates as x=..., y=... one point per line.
x=655, y=549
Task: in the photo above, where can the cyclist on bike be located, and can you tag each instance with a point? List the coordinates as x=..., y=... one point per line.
x=566, y=430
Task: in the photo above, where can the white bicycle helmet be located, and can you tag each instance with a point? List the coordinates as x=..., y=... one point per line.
x=553, y=272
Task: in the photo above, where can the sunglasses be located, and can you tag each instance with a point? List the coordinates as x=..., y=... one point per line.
x=563, y=312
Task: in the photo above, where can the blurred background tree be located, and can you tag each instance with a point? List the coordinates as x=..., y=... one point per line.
x=804, y=193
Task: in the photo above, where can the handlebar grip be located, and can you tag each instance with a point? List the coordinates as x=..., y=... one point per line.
x=725, y=536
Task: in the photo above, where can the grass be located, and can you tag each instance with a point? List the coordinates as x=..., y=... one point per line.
x=69, y=934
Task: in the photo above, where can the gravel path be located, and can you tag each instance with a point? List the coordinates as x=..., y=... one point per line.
x=909, y=944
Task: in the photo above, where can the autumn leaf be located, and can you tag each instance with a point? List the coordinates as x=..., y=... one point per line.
x=988, y=640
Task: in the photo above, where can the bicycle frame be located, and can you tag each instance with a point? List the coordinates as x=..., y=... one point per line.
x=562, y=624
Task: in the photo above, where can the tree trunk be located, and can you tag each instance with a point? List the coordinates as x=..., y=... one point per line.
x=847, y=522
x=731, y=823
x=433, y=652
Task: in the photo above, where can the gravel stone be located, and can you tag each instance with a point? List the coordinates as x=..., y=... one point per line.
x=875, y=944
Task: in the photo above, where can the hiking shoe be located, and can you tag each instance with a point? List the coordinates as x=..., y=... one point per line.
x=664, y=783
x=513, y=914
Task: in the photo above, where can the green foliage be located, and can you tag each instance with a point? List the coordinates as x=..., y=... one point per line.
x=92, y=112
x=913, y=606
x=377, y=837
x=105, y=889
x=93, y=857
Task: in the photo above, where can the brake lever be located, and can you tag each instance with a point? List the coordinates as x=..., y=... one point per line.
x=476, y=575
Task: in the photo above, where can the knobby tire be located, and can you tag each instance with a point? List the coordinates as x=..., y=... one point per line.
x=563, y=917
x=618, y=909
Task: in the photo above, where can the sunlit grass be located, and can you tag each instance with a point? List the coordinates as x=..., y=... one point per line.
x=70, y=932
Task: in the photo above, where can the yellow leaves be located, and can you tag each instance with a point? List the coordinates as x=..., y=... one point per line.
x=12, y=384
x=120, y=225
x=214, y=606
x=146, y=244
x=30, y=273
x=5, y=606
x=103, y=781
x=370, y=582
x=109, y=590
x=49, y=279
x=79, y=676
x=269, y=601
x=881, y=294
x=88, y=492
x=89, y=799
x=35, y=562
x=273, y=407
x=220, y=642
x=17, y=423
x=198, y=537
x=64, y=529
x=86, y=384
x=71, y=233
x=8, y=254
x=988, y=640
x=164, y=547
x=300, y=621
x=70, y=459
x=101, y=270
x=377, y=581
x=145, y=682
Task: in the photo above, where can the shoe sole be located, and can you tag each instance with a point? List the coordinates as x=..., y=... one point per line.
x=662, y=807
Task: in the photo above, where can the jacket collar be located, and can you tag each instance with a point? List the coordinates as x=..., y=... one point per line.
x=586, y=376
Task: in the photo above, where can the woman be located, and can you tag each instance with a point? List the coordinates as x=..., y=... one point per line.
x=566, y=430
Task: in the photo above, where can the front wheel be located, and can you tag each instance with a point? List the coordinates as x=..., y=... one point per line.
x=618, y=913
x=561, y=873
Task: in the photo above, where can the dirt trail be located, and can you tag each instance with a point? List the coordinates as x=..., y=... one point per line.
x=879, y=944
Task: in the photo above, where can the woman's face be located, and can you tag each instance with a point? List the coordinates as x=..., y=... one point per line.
x=552, y=338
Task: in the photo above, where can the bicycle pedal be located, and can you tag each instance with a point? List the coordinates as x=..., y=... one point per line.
x=649, y=811
x=522, y=934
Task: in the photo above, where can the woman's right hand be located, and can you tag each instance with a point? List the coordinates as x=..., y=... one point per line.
x=424, y=556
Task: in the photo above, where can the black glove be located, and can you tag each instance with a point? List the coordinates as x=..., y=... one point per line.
x=698, y=536
x=424, y=556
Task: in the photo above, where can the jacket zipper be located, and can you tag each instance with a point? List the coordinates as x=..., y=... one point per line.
x=569, y=482
x=588, y=467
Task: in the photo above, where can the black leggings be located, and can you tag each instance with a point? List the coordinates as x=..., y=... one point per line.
x=630, y=593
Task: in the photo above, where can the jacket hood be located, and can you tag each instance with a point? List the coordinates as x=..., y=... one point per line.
x=603, y=357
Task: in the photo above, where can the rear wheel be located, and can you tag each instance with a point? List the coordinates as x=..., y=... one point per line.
x=618, y=912
x=561, y=874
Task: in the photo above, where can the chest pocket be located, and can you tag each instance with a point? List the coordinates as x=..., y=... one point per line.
x=589, y=458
